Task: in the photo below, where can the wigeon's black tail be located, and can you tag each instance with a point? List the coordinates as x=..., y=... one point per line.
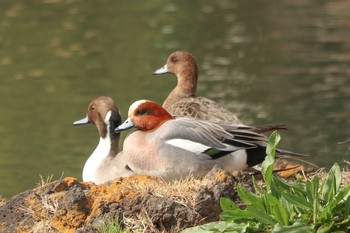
x=257, y=155
x=253, y=141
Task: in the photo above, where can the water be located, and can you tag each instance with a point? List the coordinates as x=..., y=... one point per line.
x=284, y=62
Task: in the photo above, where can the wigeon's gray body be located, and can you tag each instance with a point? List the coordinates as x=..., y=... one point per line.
x=106, y=162
x=183, y=101
x=172, y=148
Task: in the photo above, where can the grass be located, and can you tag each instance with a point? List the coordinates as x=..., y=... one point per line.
x=316, y=205
x=181, y=191
x=49, y=179
x=112, y=227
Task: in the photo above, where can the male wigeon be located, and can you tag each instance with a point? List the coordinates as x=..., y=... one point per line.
x=106, y=162
x=171, y=147
x=183, y=101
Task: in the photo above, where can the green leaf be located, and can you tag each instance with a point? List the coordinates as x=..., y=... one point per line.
x=249, y=198
x=261, y=216
x=297, y=227
x=346, y=209
x=279, y=185
x=339, y=198
x=281, y=214
x=324, y=215
x=313, y=196
x=287, y=185
x=227, y=204
x=326, y=227
x=113, y=226
x=257, y=187
x=298, y=201
x=269, y=202
x=345, y=224
x=343, y=206
x=218, y=227
x=230, y=216
x=272, y=143
x=332, y=183
x=289, y=208
x=343, y=194
x=267, y=165
x=231, y=211
x=312, y=189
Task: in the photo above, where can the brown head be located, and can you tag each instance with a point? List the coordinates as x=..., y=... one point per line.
x=103, y=113
x=184, y=66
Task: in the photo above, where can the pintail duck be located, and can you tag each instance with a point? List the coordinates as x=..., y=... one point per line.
x=106, y=162
x=172, y=148
x=182, y=101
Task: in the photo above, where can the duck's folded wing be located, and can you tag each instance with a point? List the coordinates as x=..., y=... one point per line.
x=204, y=109
x=204, y=135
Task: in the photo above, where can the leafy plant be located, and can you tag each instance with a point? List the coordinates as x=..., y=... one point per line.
x=112, y=227
x=286, y=206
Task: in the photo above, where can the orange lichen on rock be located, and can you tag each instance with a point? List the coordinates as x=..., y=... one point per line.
x=88, y=200
x=126, y=187
x=70, y=180
x=68, y=221
x=2, y=201
x=221, y=176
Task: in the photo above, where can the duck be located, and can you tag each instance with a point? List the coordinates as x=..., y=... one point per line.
x=174, y=147
x=106, y=162
x=182, y=100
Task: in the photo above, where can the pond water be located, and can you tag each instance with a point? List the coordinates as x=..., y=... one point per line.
x=268, y=61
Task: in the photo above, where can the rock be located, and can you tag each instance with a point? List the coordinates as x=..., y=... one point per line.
x=216, y=184
x=68, y=205
x=14, y=215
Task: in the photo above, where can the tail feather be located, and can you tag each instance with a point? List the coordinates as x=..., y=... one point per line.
x=255, y=143
x=269, y=127
x=280, y=153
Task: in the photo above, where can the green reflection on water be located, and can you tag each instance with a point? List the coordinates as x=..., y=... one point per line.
x=268, y=63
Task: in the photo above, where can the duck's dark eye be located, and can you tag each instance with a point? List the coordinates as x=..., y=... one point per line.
x=92, y=107
x=142, y=112
x=173, y=59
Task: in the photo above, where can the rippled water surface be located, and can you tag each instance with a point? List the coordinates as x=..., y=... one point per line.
x=284, y=62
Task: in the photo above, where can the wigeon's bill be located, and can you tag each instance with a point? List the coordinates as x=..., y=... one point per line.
x=162, y=70
x=83, y=121
x=126, y=125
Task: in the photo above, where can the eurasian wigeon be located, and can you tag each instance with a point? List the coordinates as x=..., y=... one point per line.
x=171, y=147
x=183, y=101
x=106, y=162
